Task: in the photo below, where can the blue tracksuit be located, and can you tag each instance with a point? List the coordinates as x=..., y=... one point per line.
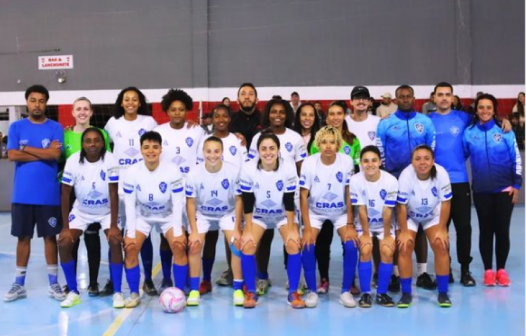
x=494, y=156
x=399, y=134
x=449, y=135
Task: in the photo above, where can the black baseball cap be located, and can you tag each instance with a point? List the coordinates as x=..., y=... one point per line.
x=360, y=91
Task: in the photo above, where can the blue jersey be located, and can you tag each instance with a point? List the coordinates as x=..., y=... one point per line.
x=35, y=182
x=448, y=151
x=399, y=134
x=494, y=156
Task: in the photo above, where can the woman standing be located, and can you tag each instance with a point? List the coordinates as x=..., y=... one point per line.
x=307, y=124
x=496, y=169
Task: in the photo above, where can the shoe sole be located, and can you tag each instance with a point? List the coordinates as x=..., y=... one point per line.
x=341, y=302
x=503, y=285
x=23, y=296
x=445, y=305
x=119, y=307
x=192, y=304
x=471, y=284
x=365, y=305
x=388, y=305
x=403, y=305
x=296, y=306
x=72, y=305
x=490, y=285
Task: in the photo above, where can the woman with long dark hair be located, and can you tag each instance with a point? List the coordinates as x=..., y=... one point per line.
x=307, y=123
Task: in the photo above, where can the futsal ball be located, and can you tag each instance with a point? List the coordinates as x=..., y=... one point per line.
x=172, y=300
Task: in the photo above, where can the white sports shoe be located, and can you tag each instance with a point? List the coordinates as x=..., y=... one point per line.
x=311, y=301
x=55, y=291
x=133, y=301
x=72, y=299
x=16, y=292
x=118, y=300
x=347, y=300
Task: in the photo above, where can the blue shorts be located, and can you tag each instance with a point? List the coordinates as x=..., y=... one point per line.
x=24, y=217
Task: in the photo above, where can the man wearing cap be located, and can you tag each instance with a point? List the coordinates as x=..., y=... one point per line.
x=387, y=107
x=360, y=122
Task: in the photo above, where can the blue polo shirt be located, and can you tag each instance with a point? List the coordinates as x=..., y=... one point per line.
x=35, y=182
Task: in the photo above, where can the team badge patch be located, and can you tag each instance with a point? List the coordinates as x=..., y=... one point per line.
x=233, y=150
x=103, y=175
x=165, y=143
x=455, y=131
x=142, y=131
x=434, y=191
x=339, y=177
x=52, y=222
x=45, y=143
x=279, y=185
x=288, y=146
x=347, y=150
x=118, y=135
x=316, y=179
x=189, y=141
x=162, y=187
x=371, y=134
x=225, y=184
x=71, y=217
x=256, y=186
x=138, y=188
x=419, y=128
x=383, y=193
x=497, y=137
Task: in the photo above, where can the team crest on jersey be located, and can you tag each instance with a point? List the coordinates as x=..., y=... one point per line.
x=497, y=137
x=189, y=141
x=71, y=217
x=22, y=143
x=162, y=187
x=371, y=134
x=279, y=185
x=383, y=193
x=68, y=146
x=103, y=175
x=419, y=128
x=455, y=131
x=142, y=131
x=256, y=186
x=52, y=222
x=138, y=188
x=165, y=143
x=118, y=135
x=45, y=143
x=233, y=150
x=288, y=146
x=339, y=177
x=225, y=184
x=202, y=187
x=347, y=150
x=316, y=179
x=434, y=191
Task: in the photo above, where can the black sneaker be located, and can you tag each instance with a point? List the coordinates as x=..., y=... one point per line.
x=107, y=290
x=366, y=301
x=451, y=279
x=384, y=300
x=443, y=300
x=466, y=279
x=394, y=285
x=425, y=281
x=405, y=301
x=65, y=289
x=149, y=288
x=93, y=289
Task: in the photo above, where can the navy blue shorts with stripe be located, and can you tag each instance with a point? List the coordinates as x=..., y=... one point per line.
x=47, y=218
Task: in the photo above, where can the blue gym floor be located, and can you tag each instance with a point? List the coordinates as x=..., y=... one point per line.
x=475, y=311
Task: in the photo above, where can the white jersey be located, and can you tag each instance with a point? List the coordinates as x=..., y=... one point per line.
x=292, y=147
x=364, y=130
x=126, y=136
x=326, y=184
x=423, y=198
x=233, y=152
x=155, y=196
x=375, y=196
x=91, y=182
x=214, y=193
x=180, y=145
x=268, y=188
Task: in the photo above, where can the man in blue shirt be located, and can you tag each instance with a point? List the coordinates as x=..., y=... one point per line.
x=450, y=125
x=35, y=145
x=397, y=136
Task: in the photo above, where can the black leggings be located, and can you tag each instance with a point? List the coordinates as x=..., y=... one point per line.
x=92, y=241
x=494, y=214
x=323, y=249
x=461, y=216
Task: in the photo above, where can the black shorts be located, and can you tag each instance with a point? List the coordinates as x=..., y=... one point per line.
x=24, y=217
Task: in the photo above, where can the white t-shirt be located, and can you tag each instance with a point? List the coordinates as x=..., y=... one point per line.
x=180, y=146
x=268, y=188
x=292, y=147
x=375, y=196
x=155, y=196
x=91, y=182
x=423, y=198
x=364, y=130
x=326, y=184
x=233, y=152
x=214, y=193
x=126, y=136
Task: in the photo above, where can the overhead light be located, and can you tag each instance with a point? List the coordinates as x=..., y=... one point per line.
x=61, y=76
